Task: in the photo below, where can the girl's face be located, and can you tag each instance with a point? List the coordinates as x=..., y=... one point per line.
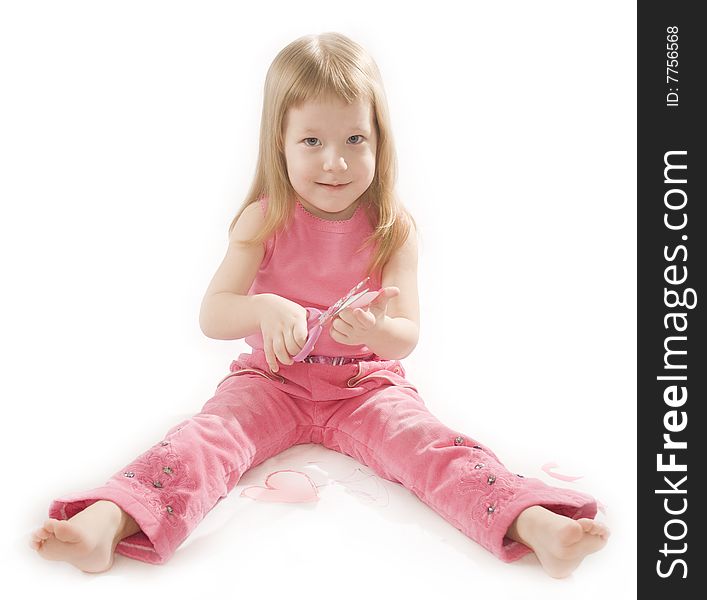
x=330, y=142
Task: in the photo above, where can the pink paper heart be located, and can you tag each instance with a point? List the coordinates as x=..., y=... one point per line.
x=284, y=486
x=551, y=465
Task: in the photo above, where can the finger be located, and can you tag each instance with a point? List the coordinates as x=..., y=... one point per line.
x=342, y=327
x=379, y=306
x=291, y=344
x=339, y=337
x=301, y=334
x=270, y=355
x=365, y=318
x=386, y=294
x=281, y=351
x=393, y=291
x=347, y=316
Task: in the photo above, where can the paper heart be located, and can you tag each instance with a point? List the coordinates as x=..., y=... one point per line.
x=551, y=465
x=284, y=486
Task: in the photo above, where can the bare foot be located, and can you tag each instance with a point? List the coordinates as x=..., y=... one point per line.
x=88, y=539
x=560, y=543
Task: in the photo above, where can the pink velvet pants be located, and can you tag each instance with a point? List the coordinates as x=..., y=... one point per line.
x=367, y=410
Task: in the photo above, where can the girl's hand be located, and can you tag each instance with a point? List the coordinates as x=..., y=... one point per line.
x=283, y=324
x=354, y=326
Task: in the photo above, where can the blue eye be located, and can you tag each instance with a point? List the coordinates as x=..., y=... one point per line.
x=313, y=138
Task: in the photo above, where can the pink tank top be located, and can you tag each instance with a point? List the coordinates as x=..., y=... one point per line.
x=313, y=262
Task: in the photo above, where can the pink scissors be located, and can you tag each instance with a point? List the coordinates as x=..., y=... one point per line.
x=316, y=319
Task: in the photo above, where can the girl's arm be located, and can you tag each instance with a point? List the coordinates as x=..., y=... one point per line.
x=227, y=312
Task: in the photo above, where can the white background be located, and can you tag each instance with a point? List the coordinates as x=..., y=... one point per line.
x=128, y=139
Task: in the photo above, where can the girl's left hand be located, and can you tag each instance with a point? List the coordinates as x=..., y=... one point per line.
x=354, y=326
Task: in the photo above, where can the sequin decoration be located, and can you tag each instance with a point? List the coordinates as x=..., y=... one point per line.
x=161, y=479
x=488, y=485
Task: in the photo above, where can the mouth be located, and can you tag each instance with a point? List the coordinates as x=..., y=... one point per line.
x=334, y=186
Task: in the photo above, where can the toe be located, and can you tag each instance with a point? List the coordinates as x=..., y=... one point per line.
x=50, y=524
x=571, y=532
x=588, y=525
x=595, y=527
x=66, y=532
x=51, y=550
x=37, y=537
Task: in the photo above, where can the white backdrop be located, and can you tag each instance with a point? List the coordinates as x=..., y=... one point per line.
x=128, y=138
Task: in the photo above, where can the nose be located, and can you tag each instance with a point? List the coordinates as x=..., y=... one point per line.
x=335, y=162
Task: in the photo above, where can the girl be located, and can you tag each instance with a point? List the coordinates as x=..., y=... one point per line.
x=321, y=215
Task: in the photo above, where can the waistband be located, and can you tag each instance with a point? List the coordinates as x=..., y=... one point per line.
x=335, y=360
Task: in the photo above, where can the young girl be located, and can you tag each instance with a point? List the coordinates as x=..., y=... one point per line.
x=321, y=215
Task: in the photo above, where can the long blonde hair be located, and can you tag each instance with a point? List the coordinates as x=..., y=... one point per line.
x=314, y=67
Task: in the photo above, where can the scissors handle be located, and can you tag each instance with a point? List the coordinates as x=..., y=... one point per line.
x=315, y=327
x=314, y=331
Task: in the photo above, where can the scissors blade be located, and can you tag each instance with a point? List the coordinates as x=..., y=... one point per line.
x=354, y=293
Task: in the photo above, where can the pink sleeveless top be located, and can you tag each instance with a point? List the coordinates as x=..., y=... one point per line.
x=313, y=262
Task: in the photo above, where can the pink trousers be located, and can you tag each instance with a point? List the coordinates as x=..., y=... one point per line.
x=367, y=410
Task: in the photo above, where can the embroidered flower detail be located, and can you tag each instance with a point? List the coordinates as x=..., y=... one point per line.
x=175, y=507
x=485, y=513
x=161, y=479
x=148, y=467
x=489, y=486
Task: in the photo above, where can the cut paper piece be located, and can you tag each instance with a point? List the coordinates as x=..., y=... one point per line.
x=284, y=486
x=366, y=487
x=551, y=465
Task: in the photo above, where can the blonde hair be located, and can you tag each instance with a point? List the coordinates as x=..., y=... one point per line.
x=314, y=67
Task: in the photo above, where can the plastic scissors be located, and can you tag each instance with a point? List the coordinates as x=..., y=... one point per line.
x=358, y=296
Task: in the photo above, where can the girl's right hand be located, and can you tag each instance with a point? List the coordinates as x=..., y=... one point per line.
x=283, y=324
